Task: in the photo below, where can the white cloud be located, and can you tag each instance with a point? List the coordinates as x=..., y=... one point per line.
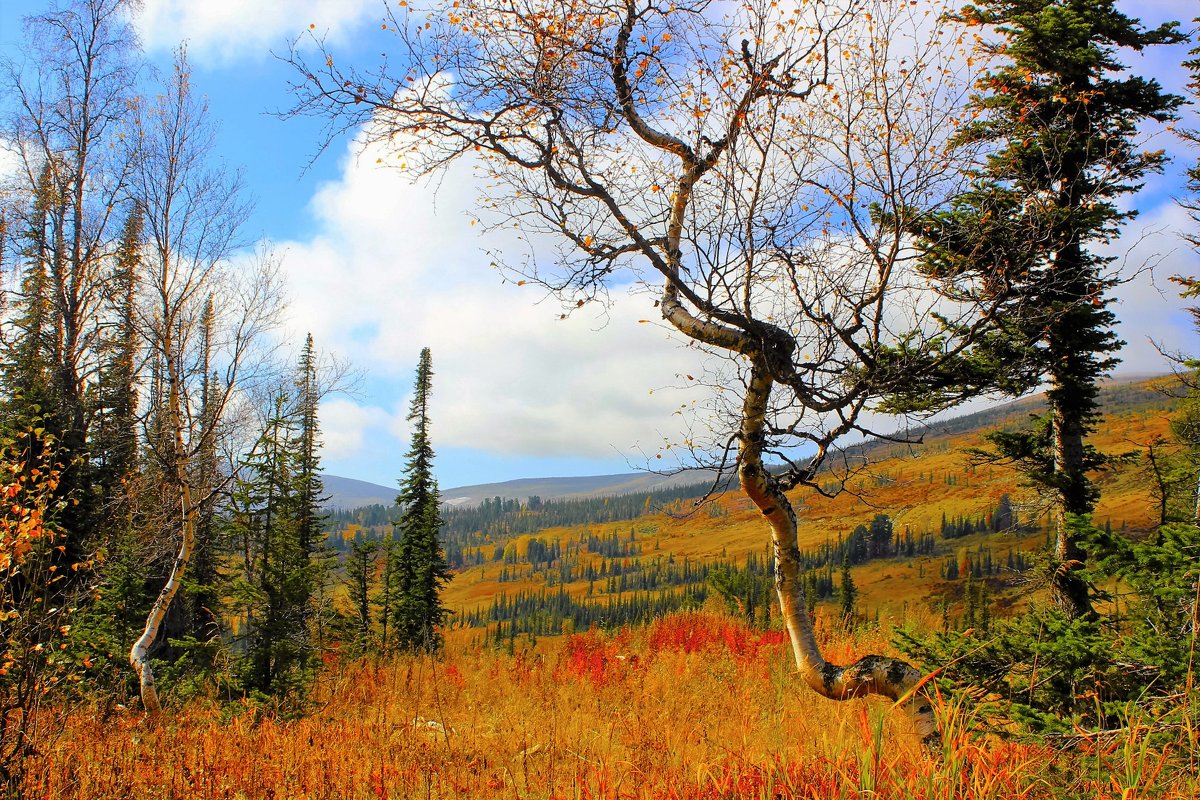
x=344, y=426
x=221, y=31
x=1149, y=311
x=396, y=266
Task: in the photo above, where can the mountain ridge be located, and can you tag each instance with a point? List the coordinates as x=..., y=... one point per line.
x=349, y=493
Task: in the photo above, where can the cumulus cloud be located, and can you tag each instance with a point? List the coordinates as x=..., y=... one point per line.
x=221, y=31
x=345, y=425
x=1150, y=313
x=394, y=266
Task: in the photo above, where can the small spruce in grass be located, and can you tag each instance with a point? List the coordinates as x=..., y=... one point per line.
x=847, y=593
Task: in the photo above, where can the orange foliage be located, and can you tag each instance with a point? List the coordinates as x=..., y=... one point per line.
x=692, y=707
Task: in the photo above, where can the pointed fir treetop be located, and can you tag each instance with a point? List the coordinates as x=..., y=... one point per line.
x=418, y=484
x=1064, y=105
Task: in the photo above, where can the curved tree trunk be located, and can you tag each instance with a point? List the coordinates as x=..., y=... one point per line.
x=139, y=654
x=870, y=674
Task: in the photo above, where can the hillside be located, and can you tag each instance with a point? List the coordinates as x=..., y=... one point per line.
x=549, y=564
x=573, y=488
x=349, y=493
x=346, y=493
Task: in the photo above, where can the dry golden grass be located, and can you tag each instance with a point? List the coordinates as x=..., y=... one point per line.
x=693, y=706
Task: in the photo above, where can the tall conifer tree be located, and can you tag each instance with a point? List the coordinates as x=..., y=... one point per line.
x=275, y=521
x=262, y=522
x=201, y=596
x=309, y=487
x=310, y=490
x=421, y=568
x=115, y=442
x=27, y=367
x=1059, y=119
x=110, y=624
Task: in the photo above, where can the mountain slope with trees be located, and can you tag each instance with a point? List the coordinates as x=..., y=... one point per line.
x=947, y=517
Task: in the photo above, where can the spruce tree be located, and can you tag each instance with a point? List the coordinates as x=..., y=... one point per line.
x=1059, y=120
x=114, y=619
x=201, y=595
x=360, y=573
x=421, y=568
x=28, y=388
x=309, y=487
x=1192, y=203
x=256, y=518
x=310, y=490
x=274, y=519
x=847, y=593
x=388, y=590
x=114, y=446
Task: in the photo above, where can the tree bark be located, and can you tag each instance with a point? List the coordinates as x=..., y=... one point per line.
x=1068, y=589
x=139, y=654
x=1071, y=392
x=871, y=674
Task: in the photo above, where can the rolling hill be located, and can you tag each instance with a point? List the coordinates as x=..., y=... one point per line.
x=348, y=493
x=624, y=555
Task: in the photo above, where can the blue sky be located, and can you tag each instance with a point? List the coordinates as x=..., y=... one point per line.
x=379, y=267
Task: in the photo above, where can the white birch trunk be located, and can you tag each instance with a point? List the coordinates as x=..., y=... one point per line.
x=871, y=674
x=139, y=654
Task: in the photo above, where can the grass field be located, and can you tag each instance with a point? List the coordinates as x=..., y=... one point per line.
x=914, y=486
x=693, y=706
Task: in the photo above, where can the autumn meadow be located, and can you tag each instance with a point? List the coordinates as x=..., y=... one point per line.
x=605, y=399
x=695, y=705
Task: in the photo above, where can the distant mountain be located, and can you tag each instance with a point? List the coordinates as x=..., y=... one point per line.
x=348, y=493
x=1125, y=392
x=559, y=488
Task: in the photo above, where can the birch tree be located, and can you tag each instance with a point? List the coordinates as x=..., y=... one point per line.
x=756, y=161
x=68, y=98
x=200, y=320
